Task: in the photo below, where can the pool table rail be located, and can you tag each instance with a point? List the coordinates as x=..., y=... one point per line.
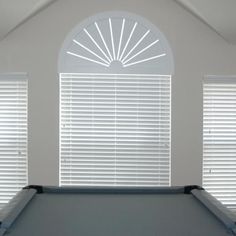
x=12, y=210
x=217, y=208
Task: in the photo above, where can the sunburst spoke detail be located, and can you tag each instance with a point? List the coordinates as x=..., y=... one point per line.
x=115, y=42
x=144, y=60
x=112, y=40
x=141, y=51
x=87, y=59
x=140, y=40
x=81, y=45
x=103, y=40
x=130, y=36
x=121, y=37
x=93, y=40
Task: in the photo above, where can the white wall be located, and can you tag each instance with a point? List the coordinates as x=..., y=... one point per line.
x=197, y=50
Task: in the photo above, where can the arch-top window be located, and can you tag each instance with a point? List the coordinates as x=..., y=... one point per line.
x=115, y=82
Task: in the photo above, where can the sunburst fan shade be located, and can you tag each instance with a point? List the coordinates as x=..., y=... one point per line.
x=116, y=42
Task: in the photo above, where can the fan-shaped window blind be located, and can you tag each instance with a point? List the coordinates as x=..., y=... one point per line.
x=13, y=135
x=219, y=139
x=115, y=82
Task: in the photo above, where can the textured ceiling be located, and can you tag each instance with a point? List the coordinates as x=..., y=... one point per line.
x=14, y=12
x=220, y=15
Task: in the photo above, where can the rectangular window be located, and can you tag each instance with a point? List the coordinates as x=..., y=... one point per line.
x=219, y=138
x=114, y=130
x=13, y=135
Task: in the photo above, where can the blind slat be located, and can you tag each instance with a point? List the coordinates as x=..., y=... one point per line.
x=219, y=135
x=13, y=135
x=112, y=121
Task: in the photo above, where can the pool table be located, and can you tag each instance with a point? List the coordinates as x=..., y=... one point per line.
x=76, y=211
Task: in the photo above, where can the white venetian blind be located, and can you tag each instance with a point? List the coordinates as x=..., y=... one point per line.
x=219, y=139
x=114, y=130
x=13, y=135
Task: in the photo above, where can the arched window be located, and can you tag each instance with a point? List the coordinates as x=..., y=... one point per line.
x=115, y=85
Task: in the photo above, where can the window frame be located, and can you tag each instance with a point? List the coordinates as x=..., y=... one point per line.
x=20, y=87
x=164, y=159
x=215, y=97
x=104, y=44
